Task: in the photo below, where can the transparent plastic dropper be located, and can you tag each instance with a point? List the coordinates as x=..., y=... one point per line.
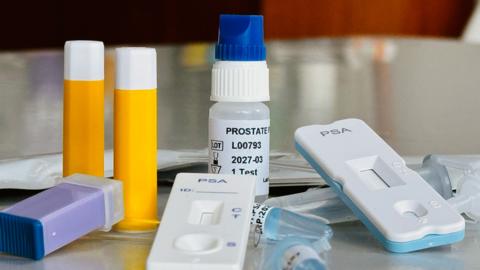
x=294, y=253
x=288, y=240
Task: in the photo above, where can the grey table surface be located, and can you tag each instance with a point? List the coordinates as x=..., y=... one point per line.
x=421, y=96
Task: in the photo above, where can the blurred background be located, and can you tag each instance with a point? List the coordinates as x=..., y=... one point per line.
x=47, y=24
x=396, y=64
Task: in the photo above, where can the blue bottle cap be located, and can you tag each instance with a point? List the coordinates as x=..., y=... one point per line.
x=240, y=38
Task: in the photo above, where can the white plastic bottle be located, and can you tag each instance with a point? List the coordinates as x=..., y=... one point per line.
x=239, y=123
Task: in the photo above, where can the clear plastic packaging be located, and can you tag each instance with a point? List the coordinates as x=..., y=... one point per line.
x=45, y=171
x=321, y=204
x=464, y=174
x=467, y=199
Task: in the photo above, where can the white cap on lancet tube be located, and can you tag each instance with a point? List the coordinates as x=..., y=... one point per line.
x=83, y=60
x=135, y=68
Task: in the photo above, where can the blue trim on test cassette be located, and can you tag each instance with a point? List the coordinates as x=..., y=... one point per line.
x=428, y=241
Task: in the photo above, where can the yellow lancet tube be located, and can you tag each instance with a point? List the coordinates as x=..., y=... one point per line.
x=83, y=132
x=83, y=108
x=135, y=162
x=135, y=137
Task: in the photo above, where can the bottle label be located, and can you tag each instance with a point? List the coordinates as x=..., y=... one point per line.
x=240, y=147
x=297, y=254
x=259, y=215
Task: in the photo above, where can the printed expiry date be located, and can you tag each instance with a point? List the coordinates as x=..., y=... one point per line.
x=247, y=159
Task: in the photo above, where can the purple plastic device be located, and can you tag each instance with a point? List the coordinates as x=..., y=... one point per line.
x=53, y=218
